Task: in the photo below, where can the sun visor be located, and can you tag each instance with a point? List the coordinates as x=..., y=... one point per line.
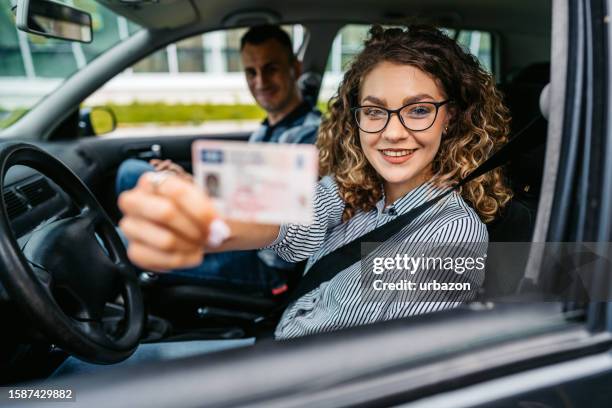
x=155, y=14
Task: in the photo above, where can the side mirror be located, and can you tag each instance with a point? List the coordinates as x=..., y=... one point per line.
x=96, y=121
x=54, y=20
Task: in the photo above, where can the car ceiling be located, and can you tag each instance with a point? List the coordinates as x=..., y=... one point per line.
x=518, y=16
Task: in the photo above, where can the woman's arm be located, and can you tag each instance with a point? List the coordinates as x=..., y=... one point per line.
x=244, y=235
x=169, y=225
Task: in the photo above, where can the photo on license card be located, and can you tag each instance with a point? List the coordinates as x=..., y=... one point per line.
x=266, y=183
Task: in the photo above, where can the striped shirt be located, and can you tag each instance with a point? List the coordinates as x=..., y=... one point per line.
x=340, y=302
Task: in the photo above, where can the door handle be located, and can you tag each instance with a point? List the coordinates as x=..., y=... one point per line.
x=146, y=152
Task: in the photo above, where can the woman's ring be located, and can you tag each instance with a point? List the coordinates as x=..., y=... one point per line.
x=157, y=178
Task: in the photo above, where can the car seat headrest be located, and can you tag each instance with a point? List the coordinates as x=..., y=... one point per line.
x=536, y=73
x=309, y=84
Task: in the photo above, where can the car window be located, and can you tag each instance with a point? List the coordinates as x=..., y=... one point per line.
x=195, y=85
x=32, y=66
x=350, y=39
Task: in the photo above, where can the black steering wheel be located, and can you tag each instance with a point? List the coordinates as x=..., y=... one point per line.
x=70, y=268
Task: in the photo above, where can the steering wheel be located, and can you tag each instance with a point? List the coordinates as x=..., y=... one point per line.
x=70, y=268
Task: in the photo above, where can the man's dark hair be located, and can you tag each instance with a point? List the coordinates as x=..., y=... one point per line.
x=262, y=33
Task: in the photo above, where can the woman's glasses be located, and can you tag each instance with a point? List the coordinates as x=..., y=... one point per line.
x=416, y=116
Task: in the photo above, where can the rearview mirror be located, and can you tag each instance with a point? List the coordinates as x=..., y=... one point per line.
x=55, y=20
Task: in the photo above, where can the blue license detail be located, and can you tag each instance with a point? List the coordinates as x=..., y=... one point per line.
x=211, y=156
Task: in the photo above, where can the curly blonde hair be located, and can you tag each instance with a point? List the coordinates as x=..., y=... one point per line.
x=479, y=125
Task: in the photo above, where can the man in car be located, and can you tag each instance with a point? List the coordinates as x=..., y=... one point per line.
x=271, y=70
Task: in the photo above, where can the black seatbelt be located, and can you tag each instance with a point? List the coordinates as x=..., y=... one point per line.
x=338, y=260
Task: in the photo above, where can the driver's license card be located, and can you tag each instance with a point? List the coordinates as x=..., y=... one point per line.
x=265, y=183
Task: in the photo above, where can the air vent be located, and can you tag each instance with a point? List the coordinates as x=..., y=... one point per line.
x=37, y=192
x=14, y=205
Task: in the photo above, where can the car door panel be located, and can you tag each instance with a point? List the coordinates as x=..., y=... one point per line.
x=106, y=154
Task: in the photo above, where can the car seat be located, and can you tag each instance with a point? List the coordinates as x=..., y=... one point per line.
x=524, y=170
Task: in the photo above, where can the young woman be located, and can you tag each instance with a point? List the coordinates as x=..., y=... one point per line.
x=413, y=115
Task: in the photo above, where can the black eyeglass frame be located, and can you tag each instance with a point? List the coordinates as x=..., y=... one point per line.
x=397, y=111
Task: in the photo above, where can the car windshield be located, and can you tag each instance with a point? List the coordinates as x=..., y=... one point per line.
x=31, y=66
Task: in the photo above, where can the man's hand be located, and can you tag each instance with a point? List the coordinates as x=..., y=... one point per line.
x=169, y=165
